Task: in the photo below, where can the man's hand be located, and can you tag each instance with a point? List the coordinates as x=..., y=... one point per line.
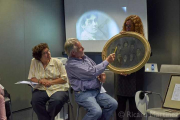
x=102, y=77
x=111, y=57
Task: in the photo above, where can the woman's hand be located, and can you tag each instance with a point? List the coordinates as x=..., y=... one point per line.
x=122, y=32
x=124, y=74
x=45, y=82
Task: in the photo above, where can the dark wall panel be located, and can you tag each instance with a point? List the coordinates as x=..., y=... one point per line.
x=12, y=49
x=24, y=24
x=163, y=24
x=44, y=23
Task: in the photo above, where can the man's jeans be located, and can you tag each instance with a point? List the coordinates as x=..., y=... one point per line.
x=99, y=106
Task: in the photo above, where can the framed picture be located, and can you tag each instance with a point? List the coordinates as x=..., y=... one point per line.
x=132, y=52
x=172, y=97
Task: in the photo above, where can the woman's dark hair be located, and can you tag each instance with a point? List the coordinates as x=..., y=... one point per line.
x=37, y=50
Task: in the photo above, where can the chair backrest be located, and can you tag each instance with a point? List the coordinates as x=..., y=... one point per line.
x=165, y=68
x=141, y=103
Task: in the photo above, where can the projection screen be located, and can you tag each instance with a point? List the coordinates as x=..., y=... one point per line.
x=93, y=22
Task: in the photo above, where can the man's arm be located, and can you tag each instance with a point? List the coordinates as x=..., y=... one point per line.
x=86, y=72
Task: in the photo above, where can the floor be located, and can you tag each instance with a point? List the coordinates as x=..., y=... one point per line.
x=25, y=114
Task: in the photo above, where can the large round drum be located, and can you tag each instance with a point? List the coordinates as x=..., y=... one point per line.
x=132, y=52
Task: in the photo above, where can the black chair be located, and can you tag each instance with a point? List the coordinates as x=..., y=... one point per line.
x=8, y=107
x=78, y=107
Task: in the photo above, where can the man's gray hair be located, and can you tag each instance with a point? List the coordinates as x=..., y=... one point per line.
x=69, y=45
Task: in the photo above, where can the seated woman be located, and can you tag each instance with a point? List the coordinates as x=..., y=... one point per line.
x=2, y=105
x=52, y=78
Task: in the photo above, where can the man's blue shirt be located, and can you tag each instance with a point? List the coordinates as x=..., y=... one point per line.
x=82, y=73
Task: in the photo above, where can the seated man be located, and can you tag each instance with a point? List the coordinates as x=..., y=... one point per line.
x=83, y=75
